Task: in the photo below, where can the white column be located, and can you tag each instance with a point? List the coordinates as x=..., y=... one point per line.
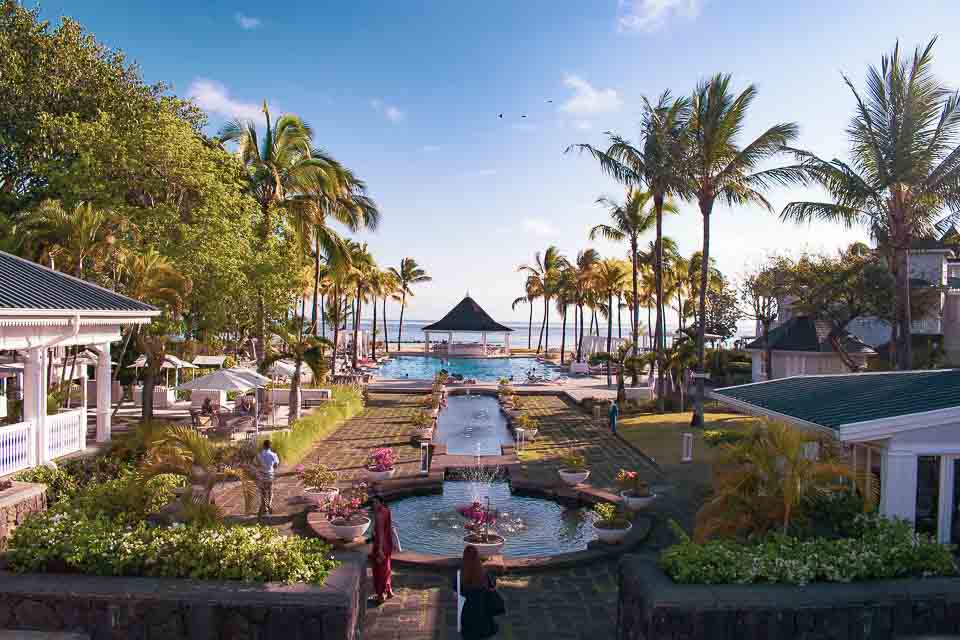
x=426, y=343
x=898, y=482
x=83, y=407
x=104, y=385
x=450, y=343
x=483, y=340
x=35, y=401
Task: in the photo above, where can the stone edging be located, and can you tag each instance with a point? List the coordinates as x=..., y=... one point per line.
x=401, y=488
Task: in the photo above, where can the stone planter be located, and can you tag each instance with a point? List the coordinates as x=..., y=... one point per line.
x=611, y=536
x=348, y=529
x=636, y=503
x=379, y=476
x=573, y=478
x=485, y=549
x=320, y=497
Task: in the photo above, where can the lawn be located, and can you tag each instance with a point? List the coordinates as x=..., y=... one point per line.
x=659, y=436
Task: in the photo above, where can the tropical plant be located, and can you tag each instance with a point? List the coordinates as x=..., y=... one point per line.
x=382, y=459
x=903, y=169
x=764, y=479
x=201, y=462
x=300, y=347
x=609, y=280
x=717, y=167
x=526, y=422
x=78, y=235
x=316, y=477
x=545, y=271
x=610, y=516
x=633, y=483
x=347, y=505
x=409, y=274
x=573, y=462
x=532, y=291
x=623, y=363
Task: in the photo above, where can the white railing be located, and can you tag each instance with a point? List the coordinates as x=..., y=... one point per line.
x=66, y=433
x=15, y=445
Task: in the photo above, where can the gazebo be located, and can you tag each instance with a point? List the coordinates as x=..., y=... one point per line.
x=41, y=311
x=466, y=317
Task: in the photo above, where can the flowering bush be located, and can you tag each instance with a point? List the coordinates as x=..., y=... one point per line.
x=879, y=549
x=316, y=476
x=347, y=505
x=609, y=516
x=630, y=481
x=70, y=540
x=382, y=460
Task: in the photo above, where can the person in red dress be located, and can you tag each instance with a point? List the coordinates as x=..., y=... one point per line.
x=382, y=549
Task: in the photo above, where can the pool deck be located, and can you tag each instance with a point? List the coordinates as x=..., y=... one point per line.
x=576, y=389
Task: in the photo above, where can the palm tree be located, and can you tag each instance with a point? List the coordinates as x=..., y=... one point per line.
x=631, y=219
x=300, y=347
x=584, y=271
x=363, y=268
x=80, y=234
x=546, y=271
x=609, y=280
x=717, y=167
x=533, y=291
x=409, y=274
x=389, y=289
x=904, y=167
x=566, y=295
x=203, y=463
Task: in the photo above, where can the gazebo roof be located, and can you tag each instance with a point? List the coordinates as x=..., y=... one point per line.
x=469, y=317
x=29, y=286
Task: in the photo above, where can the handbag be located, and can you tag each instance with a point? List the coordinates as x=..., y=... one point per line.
x=494, y=602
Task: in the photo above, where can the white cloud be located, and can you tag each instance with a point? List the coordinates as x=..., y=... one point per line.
x=246, y=22
x=390, y=112
x=214, y=98
x=588, y=100
x=429, y=148
x=538, y=226
x=651, y=15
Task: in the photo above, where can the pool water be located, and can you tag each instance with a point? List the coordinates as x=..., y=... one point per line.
x=482, y=369
x=530, y=526
x=472, y=425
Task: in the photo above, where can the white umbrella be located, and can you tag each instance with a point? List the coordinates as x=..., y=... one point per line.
x=257, y=379
x=287, y=369
x=220, y=380
x=169, y=362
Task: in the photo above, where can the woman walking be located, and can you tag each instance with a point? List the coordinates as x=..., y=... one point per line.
x=482, y=600
x=382, y=549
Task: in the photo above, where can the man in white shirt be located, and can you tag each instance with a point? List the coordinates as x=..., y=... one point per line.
x=268, y=461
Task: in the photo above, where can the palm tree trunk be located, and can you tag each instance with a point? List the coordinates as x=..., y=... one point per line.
x=316, y=288
x=902, y=306
x=336, y=330
x=649, y=329
x=658, y=273
x=576, y=346
x=386, y=337
x=580, y=344
x=546, y=324
x=323, y=317
x=609, y=336
x=706, y=206
x=373, y=348
x=563, y=336
x=530, y=326
x=294, y=400
x=403, y=305
x=356, y=327
x=542, y=323
x=619, y=319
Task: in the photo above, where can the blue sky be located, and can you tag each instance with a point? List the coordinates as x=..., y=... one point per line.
x=408, y=95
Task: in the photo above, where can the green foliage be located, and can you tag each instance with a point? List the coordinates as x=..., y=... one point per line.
x=878, y=549
x=61, y=485
x=94, y=544
x=573, y=462
x=610, y=515
x=717, y=437
x=295, y=444
x=129, y=498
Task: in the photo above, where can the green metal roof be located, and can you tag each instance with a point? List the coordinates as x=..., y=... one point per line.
x=835, y=400
x=803, y=333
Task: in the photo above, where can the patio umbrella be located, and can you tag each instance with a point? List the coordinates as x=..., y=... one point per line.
x=257, y=379
x=169, y=362
x=220, y=380
x=286, y=369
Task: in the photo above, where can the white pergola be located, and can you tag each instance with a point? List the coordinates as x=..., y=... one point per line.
x=42, y=311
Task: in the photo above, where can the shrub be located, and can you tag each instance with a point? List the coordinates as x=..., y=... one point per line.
x=573, y=462
x=879, y=549
x=316, y=476
x=609, y=516
x=382, y=459
x=295, y=444
x=61, y=485
x=717, y=437
x=73, y=541
x=129, y=498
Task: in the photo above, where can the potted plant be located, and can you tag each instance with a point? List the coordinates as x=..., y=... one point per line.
x=423, y=423
x=636, y=494
x=382, y=464
x=574, y=470
x=482, y=519
x=347, y=519
x=611, y=525
x=530, y=426
x=319, y=483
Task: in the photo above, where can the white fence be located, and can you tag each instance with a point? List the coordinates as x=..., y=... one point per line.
x=66, y=433
x=15, y=447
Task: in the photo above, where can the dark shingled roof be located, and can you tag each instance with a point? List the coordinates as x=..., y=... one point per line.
x=835, y=400
x=28, y=285
x=467, y=316
x=803, y=333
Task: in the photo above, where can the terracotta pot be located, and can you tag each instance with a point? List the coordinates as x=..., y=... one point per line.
x=486, y=549
x=320, y=497
x=612, y=536
x=635, y=503
x=348, y=530
x=379, y=476
x=573, y=478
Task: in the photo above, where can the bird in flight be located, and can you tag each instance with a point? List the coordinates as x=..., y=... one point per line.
x=500, y=116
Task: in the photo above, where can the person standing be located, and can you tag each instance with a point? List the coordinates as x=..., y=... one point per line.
x=267, y=461
x=482, y=602
x=382, y=550
x=613, y=413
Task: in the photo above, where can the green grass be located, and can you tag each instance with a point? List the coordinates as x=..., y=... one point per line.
x=659, y=435
x=293, y=446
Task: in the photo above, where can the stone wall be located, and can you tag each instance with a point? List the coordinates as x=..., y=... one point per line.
x=16, y=503
x=652, y=607
x=109, y=608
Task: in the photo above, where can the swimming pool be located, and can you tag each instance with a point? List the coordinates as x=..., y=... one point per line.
x=472, y=425
x=483, y=369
